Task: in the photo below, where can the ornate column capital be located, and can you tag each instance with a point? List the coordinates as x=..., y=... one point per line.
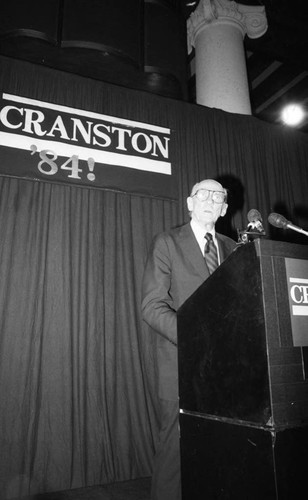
x=250, y=19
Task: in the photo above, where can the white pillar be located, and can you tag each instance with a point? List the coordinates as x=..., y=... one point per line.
x=216, y=29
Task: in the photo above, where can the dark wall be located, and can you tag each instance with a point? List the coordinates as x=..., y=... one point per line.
x=139, y=44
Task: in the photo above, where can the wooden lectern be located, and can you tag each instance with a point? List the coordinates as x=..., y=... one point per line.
x=243, y=377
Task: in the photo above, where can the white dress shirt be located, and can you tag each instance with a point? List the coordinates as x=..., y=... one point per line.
x=200, y=237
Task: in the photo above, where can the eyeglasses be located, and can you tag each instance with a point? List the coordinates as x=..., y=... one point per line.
x=216, y=196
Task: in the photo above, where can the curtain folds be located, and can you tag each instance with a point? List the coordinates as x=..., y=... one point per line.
x=77, y=371
x=75, y=406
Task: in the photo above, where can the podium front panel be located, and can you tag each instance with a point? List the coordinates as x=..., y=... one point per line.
x=235, y=346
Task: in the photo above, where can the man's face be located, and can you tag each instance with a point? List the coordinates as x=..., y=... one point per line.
x=206, y=212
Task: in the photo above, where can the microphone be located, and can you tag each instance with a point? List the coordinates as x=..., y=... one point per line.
x=255, y=221
x=280, y=221
x=254, y=229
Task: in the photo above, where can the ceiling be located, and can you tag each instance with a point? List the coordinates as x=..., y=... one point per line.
x=277, y=62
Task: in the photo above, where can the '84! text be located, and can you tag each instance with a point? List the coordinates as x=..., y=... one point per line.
x=48, y=166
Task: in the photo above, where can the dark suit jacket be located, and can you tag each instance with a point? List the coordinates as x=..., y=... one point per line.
x=174, y=270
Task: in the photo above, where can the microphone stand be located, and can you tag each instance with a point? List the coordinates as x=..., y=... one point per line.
x=298, y=229
x=245, y=235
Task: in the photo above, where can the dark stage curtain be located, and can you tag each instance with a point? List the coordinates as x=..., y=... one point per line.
x=77, y=374
x=75, y=409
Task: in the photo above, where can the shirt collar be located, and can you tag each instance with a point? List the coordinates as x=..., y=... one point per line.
x=199, y=231
x=199, y=235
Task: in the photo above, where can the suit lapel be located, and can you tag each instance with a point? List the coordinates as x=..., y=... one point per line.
x=192, y=250
x=224, y=250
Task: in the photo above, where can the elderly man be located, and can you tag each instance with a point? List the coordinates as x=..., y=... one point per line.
x=179, y=261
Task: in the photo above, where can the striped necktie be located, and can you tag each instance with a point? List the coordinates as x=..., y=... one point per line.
x=210, y=253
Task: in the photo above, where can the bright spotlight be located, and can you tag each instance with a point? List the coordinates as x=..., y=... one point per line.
x=293, y=114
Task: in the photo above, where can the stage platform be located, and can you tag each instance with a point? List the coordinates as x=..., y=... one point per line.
x=137, y=489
